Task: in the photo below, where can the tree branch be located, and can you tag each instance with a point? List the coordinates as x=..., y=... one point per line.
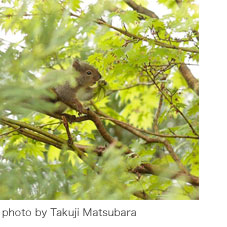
x=7, y=133
x=45, y=137
x=141, y=9
x=120, y=123
x=129, y=87
x=156, y=42
x=179, y=2
x=41, y=135
x=158, y=114
x=172, y=104
x=150, y=140
x=93, y=117
x=192, y=82
x=141, y=195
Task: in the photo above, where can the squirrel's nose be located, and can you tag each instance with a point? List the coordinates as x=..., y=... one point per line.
x=99, y=77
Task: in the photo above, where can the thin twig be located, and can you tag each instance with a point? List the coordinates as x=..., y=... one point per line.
x=158, y=114
x=142, y=38
x=129, y=87
x=7, y=133
x=172, y=104
x=44, y=125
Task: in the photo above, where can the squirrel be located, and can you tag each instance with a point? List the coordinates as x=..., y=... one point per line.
x=85, y=76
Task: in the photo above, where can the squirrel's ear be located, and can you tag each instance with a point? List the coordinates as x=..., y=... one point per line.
x=76, y=64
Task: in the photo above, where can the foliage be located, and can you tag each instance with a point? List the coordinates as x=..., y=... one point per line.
x=147, y=107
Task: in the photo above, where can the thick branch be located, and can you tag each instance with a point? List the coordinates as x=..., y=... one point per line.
x=179, y=2
x=100, y=127
x=196, y=33
x=91, y=116
x=141, y=195
x=141, y=9
x=149, y=140
x=41, y=135
x=144, y=131
x=33, y=128
x=192, y=82
x=45, y=137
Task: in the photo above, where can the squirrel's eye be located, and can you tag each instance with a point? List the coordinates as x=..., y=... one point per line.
x=88, y=72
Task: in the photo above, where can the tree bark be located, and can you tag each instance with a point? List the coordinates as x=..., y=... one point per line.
x=192, y=82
